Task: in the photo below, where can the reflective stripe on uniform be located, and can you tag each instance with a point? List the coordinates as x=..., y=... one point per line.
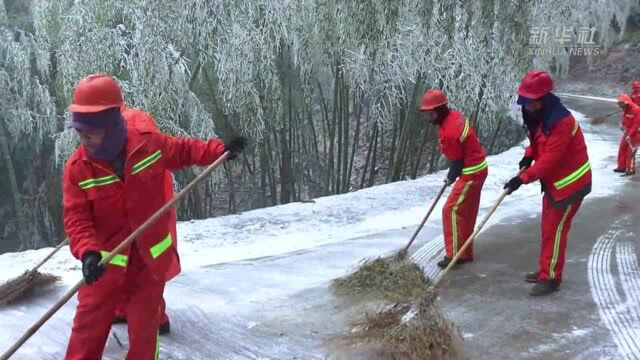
x=573, y=177
x=156, y=250
x=465, y=131
x=454, y=220
x=158, y=345
x=117, y=260
x=146, y=162
x=474, y=169
x=556, y=244
x=575, y=129
x=159, y=248
x=105, y=180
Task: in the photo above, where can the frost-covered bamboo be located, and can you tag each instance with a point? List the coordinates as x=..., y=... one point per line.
x=27, y=113
x=324, y=88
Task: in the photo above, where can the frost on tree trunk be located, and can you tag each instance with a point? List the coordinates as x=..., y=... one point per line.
x=13, y=183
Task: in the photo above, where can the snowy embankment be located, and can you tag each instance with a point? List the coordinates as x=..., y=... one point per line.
x=293, y=227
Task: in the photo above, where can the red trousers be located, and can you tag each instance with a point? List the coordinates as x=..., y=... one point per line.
x=460, y=211
x=97, y=304
x=626, y=156
x=556, y=223
x=121, y=309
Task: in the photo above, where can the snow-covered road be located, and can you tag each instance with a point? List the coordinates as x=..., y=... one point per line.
x=254, y=285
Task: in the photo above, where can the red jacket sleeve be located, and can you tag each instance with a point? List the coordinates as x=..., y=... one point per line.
x=183, y=152
x=554, y=150
x=78, y=217
x=528, y=152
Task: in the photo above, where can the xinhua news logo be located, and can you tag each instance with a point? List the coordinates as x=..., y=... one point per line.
x=563, y=41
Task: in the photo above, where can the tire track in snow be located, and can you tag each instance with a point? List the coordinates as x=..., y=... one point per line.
x=603, y=291
x=597, y=266
x=629, y=274
x=613, y=310
x=615, y=304
x=424, y=256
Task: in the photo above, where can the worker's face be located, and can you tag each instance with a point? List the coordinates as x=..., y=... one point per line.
x=533, y=105
x=430, y=116
x=91, y=139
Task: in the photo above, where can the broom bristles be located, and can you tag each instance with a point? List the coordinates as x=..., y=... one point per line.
x=599, y=120
x=393, y=278
x=416, y=329
x=23, y=286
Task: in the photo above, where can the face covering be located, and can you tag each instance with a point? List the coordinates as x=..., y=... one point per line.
x=115, y=131
x=441, y=113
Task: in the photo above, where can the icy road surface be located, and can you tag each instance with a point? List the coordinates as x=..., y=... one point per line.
x=254, y=285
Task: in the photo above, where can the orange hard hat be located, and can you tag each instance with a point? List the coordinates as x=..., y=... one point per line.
x=535, y=84
x=432, y=99
x=96, y=92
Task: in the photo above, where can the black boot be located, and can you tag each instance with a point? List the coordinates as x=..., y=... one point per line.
x=544, y=287
x=532, y=277
x=119, y=320
x=446, y=260
x=165, y=328
x=628, y=173
x=619, y=170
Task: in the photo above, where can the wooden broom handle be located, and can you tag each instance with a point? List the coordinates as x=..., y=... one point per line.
x=472, y=237
x=613, y=113
x=424, y=220
x=469, y=240
x=65, y=242
x=633, y=148
x=126, y=242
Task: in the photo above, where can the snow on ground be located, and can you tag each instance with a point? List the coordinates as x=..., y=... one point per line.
x=293, y=227
x=273, y=264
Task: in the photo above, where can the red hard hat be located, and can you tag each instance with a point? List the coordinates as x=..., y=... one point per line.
x=96, y=92
x=432, y=99
x=535, y=84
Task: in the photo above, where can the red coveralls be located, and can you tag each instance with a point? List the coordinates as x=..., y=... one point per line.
x=631, y=125
x=562, y=165
x=100, y=211
x=635, y=92
x=141, y=120
x=458, y=141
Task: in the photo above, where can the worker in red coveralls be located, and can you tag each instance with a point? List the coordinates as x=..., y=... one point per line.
x=557, y=156
x=624, y=148
x=137, y=119
x=635, y=92
x=630, y=136
x=468, y=170
x=112, y=184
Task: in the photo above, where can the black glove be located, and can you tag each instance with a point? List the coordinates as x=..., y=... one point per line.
x=513, y=184
x=455, y=170
x=91, y=267
x=235, y=146
x=525, y=162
